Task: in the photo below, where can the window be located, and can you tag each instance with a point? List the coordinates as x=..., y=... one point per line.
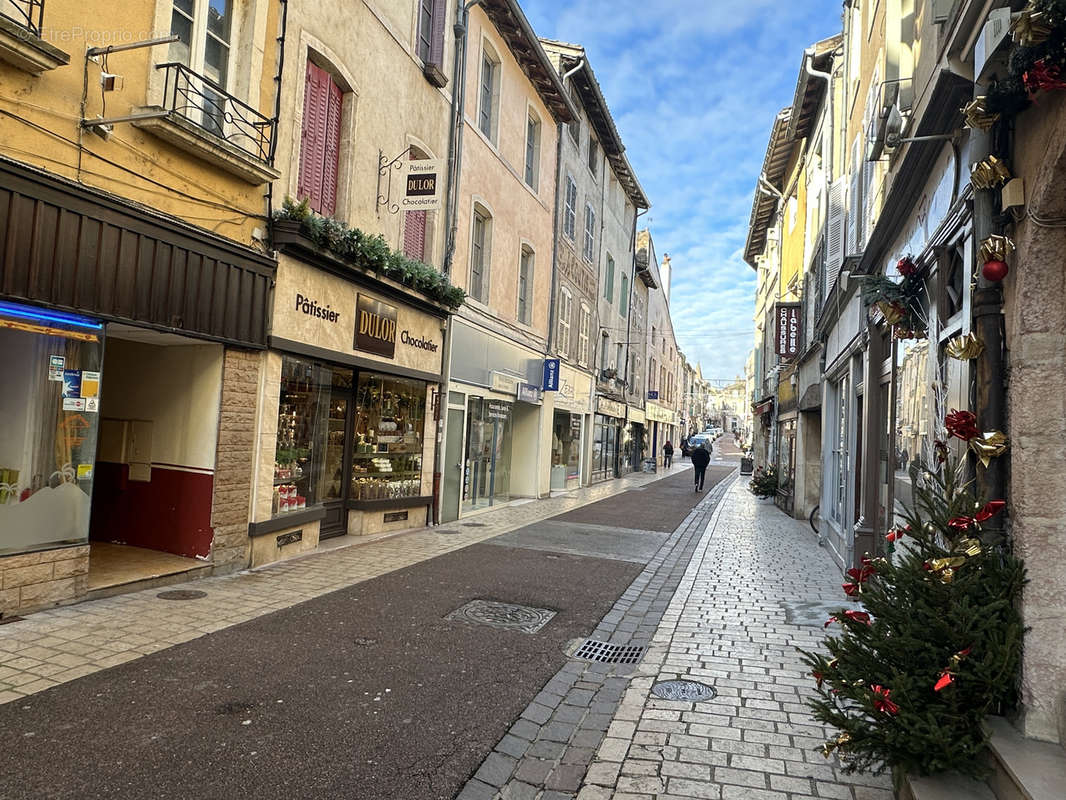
x=489, y=94
x=525, y=284
x=589, y=250
x=652, y=375
x=583, y=335
x=320, y=140
x=565, y=309
x=605, y=350
x=623, y=296
x=619, y=358
x=575, y=126
x=570, y=209
x=204, y=29
x=608, y=280
x=594, y=154
x=532, y=152
x=480, y=255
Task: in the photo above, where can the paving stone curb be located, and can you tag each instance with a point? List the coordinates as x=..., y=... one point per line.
x=546, y=753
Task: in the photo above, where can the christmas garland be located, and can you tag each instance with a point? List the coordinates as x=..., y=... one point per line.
x=901, y=303
x=1038, y=61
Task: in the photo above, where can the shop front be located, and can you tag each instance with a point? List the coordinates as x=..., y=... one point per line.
x=635, y=439
x=346, y=422
x=607, y=434
x=571, y=410
x=126, y=377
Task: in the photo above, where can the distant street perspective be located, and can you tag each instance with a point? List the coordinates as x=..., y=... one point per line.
x=524, y=400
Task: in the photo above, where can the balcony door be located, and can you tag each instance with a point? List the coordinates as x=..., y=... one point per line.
x=205, y=36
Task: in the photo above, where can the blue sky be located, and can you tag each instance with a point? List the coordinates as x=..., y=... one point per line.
x=693, y=86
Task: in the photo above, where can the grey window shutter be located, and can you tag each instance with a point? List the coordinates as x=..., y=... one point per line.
x=436, y=45
x=834, y=234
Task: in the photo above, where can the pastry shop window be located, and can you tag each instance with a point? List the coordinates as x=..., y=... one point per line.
x=312, y=412
x=389, y=422
x=51, y=413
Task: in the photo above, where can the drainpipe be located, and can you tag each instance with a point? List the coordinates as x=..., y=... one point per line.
x=451, y=216
x=277, y=106
x=559, y=183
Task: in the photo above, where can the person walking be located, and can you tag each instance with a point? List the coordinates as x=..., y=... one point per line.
x=701, y=457
x=668, y=454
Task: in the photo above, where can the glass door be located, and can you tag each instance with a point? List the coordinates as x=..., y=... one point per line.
x=337, y=455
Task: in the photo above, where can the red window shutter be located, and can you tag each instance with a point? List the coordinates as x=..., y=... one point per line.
x=305, y=186
x=436, y=42
x=331, y=146
x=414, y=235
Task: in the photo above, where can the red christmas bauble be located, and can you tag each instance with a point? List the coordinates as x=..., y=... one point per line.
x=995, y=270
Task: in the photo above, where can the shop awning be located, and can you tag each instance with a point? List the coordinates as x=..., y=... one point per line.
x=763, y=407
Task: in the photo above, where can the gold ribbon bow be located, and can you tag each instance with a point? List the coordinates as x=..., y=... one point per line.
x=963, y=348
x=989, y=445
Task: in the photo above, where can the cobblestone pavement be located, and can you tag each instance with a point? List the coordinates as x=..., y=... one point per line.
x=726, y=626
x=61, y=644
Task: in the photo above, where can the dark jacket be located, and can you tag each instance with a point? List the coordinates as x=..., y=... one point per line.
x=700, y=457
x=668, y=449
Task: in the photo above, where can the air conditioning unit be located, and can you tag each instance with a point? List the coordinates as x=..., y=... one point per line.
x=990, y=51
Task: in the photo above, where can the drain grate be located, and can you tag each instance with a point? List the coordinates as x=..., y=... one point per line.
x=607, y=653
x=446, y=532
x=684, y=691
x=182, y=594
x=474, y=524
x=507, y=616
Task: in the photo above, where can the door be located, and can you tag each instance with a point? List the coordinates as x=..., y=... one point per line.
x=336, y=467
x=453, y=465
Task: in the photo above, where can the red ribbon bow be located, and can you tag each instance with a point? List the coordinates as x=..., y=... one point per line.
x=990, y=509
x=858, y=616
x=906, y=266
x=961, y=523
x=882, y=701
x=962, y=424
x=1042, y=76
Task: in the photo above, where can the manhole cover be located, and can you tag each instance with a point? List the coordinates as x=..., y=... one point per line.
x=182, y=594
x=446, y=532
x=607, y=653
x=365, y=641
x=474, y=524
x=502, y=615
x=684, y=691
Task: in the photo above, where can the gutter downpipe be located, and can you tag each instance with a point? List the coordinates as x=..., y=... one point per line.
x=277, y=106
x=451, y=216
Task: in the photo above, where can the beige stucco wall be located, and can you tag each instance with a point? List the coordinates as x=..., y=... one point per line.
x=493, y=176
x=43, y=126
x=376, y=39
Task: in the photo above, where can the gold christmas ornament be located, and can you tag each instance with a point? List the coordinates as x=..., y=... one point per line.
x=989, y=445
x=1031, y=27
x=964, y=348
x=995, y=248
x=841, y=741
x=990, y=173
x=971, y=547
x=892, y=312
x=977, y=115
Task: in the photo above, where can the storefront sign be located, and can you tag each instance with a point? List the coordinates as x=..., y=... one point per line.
x=657, y=413
x=636, y=415
x=497, y=409
x=375, y=329
x=421, y=342
x=528, y=393
x=422, y=185
x=502, y=382
x=787, y=331
x=551, y=375
x=611, y=408
x=305, y=305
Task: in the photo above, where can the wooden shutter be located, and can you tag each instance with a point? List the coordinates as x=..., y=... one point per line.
x=414, y=235
x=309, y=183
x=834, y=234
x=854, y=201
x=436, y=42
x=331, y=149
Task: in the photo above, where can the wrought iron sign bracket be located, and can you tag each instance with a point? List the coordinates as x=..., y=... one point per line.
x=386, y=169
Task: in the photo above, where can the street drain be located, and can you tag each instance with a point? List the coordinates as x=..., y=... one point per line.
x=474, y=524
x=507, y=616
x=684, y=691
x=446, y=532
x=182, y=594
x=607, y=653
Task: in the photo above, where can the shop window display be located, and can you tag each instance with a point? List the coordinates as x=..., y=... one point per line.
x=390, y=419
x=51, y=417
x=303, y=421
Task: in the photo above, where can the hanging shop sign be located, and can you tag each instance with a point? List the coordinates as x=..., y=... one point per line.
x=653, y=395
x=528, y=393
x=423, y=180
x=787, y=330
x=375, y=326
x=551, y=375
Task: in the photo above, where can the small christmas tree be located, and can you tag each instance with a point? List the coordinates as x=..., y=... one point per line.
x=910, y=678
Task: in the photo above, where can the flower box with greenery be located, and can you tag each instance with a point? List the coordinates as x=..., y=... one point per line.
x=935, y=646
x=764, y=482
x=295, y=221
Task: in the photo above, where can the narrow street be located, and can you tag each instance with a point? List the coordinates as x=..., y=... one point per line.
x=370, y=691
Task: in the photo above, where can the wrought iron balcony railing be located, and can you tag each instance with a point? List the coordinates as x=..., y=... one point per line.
x=28, y=14
x=210, y=107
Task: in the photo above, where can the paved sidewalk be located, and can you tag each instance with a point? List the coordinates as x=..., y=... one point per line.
x=727, y=626
x=62, y=644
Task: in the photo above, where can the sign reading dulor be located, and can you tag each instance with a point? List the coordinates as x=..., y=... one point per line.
x=422, y=185
x=325, y=311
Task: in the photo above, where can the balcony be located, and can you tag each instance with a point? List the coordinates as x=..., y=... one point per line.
x=21, y=45
x=203, y=119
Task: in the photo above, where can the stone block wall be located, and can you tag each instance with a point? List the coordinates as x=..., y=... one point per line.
x=235, y=459
x=32, y=581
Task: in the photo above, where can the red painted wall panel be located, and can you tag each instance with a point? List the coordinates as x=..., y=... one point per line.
x=171, y=512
